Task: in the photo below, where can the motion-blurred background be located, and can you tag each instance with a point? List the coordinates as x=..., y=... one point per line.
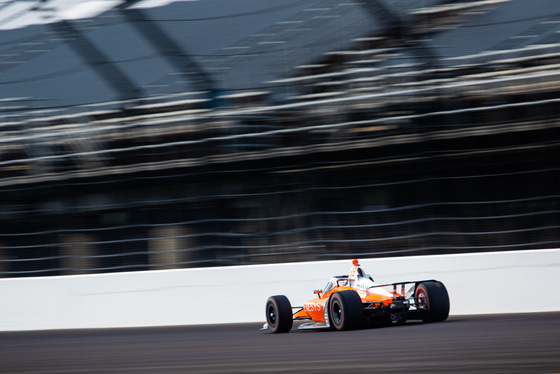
x=157, y=134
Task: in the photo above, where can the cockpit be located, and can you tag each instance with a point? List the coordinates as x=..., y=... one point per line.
x=336, y=281
x=357, y=278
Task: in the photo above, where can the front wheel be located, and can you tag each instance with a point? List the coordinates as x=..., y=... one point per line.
x=432, y=298
x=346, y=311
x=279, y=314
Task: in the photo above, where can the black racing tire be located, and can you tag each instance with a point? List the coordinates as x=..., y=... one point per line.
x=346, y=311
x=433, y=298
x=279, y=314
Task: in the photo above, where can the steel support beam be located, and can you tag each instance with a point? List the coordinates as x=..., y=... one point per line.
x=169, y=49
x=96, y=59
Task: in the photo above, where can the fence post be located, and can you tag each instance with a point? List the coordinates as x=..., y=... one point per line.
x=3, y=265
x=78, y=254
x=167, y=248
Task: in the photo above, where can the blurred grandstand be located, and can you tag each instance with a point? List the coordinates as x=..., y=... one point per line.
x=154, y=134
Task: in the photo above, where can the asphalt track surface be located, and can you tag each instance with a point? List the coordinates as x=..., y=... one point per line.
x=528, y=343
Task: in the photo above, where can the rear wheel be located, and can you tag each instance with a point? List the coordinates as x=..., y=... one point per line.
x=279, y=314
x=345, y=310
x=432, y=298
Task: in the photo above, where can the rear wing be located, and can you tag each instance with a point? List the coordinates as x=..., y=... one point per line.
x=396, y=285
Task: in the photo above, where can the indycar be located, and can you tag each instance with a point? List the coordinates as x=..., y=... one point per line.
x=354, y=301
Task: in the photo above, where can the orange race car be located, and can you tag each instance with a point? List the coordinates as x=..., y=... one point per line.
x=353, y=301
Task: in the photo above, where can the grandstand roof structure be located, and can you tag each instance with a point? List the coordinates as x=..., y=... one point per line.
x=59, y=53
x=240, y=44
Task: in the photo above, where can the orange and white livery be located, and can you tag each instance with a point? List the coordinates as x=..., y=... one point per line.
x=353, y=301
